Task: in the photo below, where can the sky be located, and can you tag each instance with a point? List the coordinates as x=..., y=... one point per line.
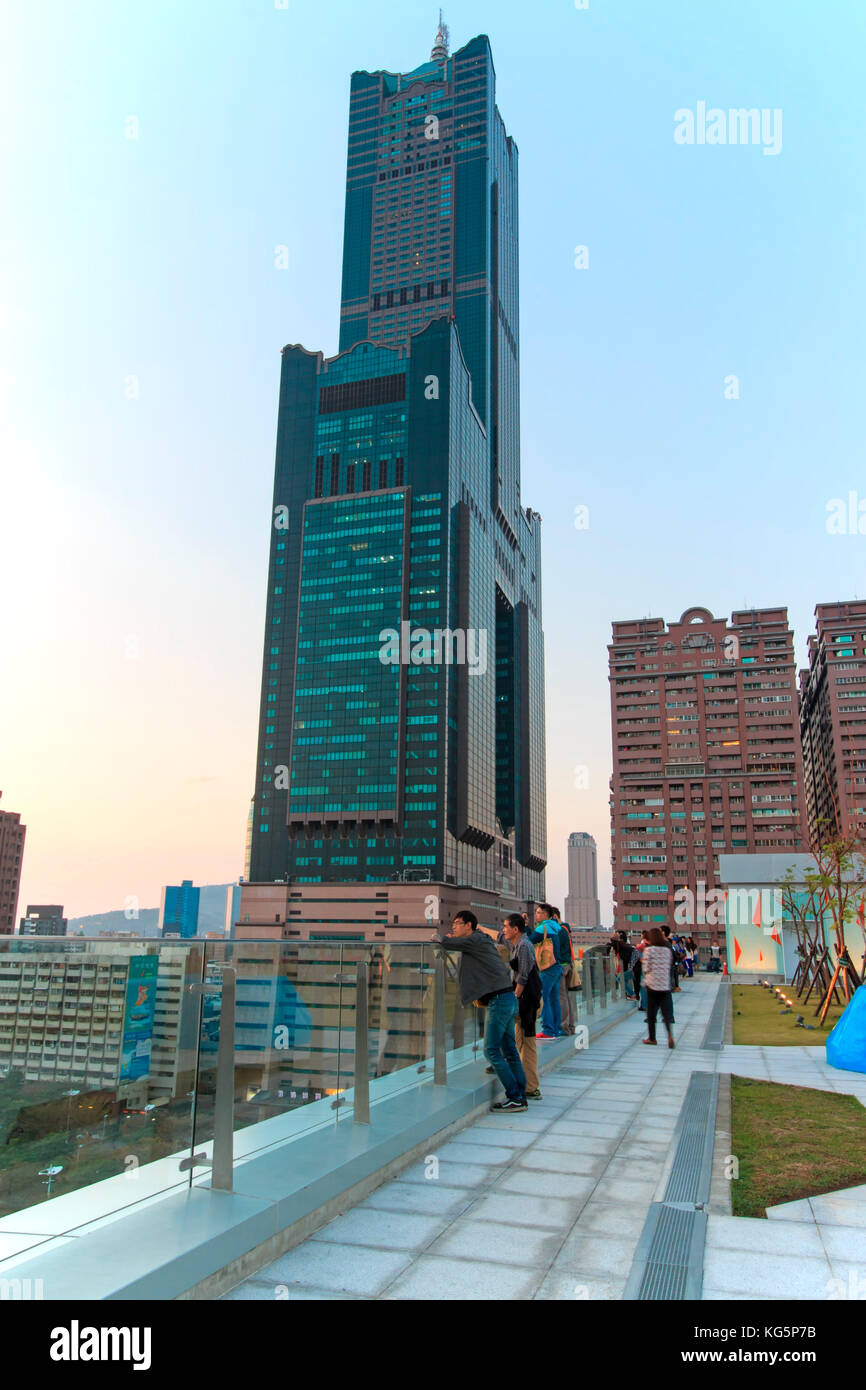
x=157, y=156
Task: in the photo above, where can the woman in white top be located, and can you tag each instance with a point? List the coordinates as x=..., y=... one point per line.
x=658, y=962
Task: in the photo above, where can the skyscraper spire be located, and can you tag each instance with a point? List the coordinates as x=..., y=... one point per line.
x=440, y=47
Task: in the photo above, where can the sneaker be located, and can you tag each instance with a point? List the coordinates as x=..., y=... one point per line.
x=534, y=1095
x=490, y=1071
x=650, y=1042
x=510, y=1105
x=545, y=1037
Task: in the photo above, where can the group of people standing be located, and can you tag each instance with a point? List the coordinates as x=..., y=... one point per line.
x=540, y=975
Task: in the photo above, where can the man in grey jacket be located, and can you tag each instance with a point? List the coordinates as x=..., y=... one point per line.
x=484, y=976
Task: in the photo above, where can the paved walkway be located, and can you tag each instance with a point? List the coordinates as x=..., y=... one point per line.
x=551, y=1203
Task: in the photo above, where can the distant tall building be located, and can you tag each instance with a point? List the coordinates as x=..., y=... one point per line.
x=833, y=719
x=706, y=756
x=402, y=707
x=178, y=911
x=12, y=834
x=43, y=919
x=581, y=905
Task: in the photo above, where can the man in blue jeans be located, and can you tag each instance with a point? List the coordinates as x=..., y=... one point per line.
x=551, y=1010
x=484, y=977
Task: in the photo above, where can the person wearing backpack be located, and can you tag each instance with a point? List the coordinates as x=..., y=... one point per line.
x=566, y=960
x=545, y=940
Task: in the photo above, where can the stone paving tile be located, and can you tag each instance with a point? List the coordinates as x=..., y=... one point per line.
x=252, y=1290
x=596, y=1256
x=529, y=1180
x=553, y=1161
x=494, y=1138
x=844, y=1243
x=776, y=1276
x=792, y=1211
x=493, y=1156
x=627, y=1189
x=395, y=1230
x=499, y=1243
x=612, y=1218
x=452, y=1174
x=581, y=1143
x=348, y=1269
x=564, y=1285
x=427, y=1199
x=747, y=1234
x=526, y=1120
x=436, y=1278
x=540, y=1210
x=566, y=1143
x=837, y=1209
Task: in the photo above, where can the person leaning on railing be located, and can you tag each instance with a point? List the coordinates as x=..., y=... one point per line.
x=485, y=979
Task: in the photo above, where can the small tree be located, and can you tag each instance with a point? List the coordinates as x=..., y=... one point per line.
x=839, y=882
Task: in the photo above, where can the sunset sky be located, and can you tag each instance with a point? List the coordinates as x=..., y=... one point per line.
x=144, y=315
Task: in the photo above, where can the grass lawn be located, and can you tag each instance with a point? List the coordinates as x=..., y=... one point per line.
x=793, y=1142
x=758, y=1019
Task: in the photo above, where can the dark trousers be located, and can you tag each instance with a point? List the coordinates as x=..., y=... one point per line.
x=658, y=999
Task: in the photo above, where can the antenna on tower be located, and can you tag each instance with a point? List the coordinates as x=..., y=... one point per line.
x=440, y=47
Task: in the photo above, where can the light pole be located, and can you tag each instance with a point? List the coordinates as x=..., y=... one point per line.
x=50, y=1174
x=69, y=1095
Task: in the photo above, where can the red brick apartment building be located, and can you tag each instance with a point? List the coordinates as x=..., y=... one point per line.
x=833, y=719
x=706, y=756
x=12, y=834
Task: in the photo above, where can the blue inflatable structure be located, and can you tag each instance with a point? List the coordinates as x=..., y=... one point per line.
x=846, y=1045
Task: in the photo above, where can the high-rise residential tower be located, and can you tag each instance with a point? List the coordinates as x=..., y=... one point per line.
x=581, y=905
x=43, y=919
x=706, y=757
x=12, y=834
x=833, y=720
x=402, y=708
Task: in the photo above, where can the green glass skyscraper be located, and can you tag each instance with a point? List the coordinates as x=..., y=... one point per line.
x=402, y=708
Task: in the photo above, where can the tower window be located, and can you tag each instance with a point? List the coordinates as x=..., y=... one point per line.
x=335, y=475
x=320, y=469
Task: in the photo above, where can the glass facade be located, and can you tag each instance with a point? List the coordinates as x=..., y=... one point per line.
x=402, y=724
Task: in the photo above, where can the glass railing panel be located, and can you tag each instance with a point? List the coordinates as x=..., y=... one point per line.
x=293, y=1049
x=97, y=1060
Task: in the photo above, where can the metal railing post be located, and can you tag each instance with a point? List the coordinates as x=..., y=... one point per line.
x=586, y=983
x=605, y=971
x=361, y=1107
x=224, y=1099
x=440, y=1077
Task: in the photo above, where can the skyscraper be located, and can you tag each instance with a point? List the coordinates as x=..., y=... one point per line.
x=706, y=757
x=402, y=719
x=178, y=911
x=12, y=834
x=833, y=720
x=581, y=905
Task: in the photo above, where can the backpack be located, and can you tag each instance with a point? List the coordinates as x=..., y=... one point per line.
x=545, y=950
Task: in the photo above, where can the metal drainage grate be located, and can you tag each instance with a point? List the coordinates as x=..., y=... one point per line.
x=714, y=1037
x=668, y=1262
x=692, y=1168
